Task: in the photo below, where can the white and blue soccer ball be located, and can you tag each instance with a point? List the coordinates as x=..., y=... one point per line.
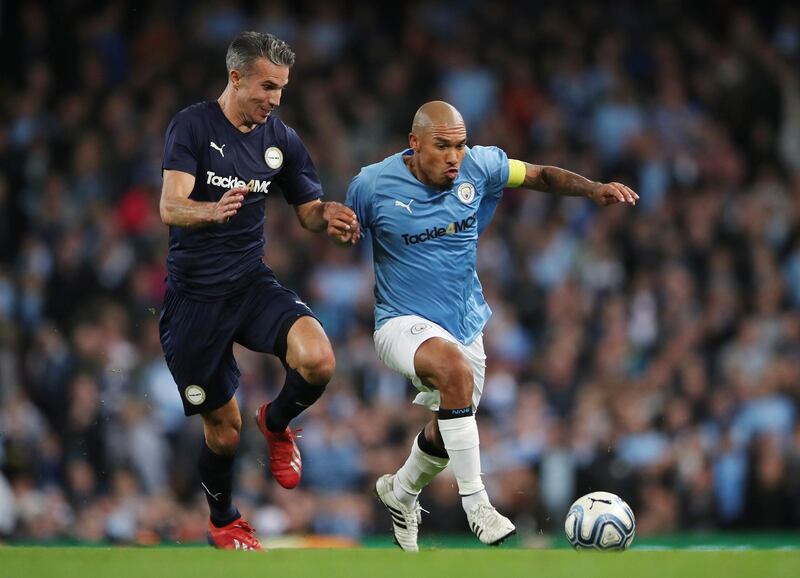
x=600, y=521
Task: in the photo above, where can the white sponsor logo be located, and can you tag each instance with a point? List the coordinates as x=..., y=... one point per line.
x=466, y=192
x=194, y=394
x=255, y=185
x=406, y=206
x=273, y=157
x=215, y=146
x=419, y=328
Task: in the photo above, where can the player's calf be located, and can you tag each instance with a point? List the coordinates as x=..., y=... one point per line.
x=308, y=358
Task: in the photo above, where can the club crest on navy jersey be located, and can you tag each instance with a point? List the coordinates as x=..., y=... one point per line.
x=466, y=192
x=273, y=157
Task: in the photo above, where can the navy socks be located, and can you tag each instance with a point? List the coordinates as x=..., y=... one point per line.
x=216, y=476
x=297, y=394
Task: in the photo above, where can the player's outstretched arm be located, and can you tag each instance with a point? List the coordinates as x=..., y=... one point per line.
x=563, y=182
x=338, y=220
x=179, y=210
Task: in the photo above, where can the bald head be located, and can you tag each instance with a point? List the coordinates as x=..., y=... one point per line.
x=435, y=113
x=438, y=140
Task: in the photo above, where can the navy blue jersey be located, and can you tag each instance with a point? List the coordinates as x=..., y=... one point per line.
x=215, y=261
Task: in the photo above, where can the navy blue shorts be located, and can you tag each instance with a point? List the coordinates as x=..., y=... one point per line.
x=197, y=337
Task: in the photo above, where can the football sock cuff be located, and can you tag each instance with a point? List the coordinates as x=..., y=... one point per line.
x=459, y=433
x=295, y=396
x=417, y=472
x=429, y=448
x=455, y=413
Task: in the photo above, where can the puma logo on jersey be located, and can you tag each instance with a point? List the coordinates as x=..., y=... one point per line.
x=406, y=206
x=218, y=148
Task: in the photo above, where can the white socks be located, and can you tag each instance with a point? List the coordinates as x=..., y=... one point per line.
x=460, y=436
x=420, y=468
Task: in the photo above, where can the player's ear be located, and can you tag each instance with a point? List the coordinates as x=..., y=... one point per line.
x=235, y=78
x=413, y=142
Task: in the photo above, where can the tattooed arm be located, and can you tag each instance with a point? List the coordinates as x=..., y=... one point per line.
x=563, y=182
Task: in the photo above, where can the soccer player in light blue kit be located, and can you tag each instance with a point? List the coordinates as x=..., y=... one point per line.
x=426, y=208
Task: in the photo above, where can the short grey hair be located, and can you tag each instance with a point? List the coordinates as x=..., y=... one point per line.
x=249, y=46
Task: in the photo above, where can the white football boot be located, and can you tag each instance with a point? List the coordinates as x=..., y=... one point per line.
x=405, y=520
x=489, y=525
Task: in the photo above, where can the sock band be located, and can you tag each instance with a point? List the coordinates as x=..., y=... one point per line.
x=455, y=413
x=429, y=448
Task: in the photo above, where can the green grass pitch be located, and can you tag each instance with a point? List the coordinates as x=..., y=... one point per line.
x=37, y=562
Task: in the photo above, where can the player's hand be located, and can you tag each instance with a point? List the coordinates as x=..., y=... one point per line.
x=612, y=193
x=229, y=205
x=343, y=225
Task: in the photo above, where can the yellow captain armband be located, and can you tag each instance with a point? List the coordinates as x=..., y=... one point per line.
x=516, y=173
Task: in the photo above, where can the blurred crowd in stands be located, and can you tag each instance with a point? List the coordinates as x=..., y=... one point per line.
x=653, y=352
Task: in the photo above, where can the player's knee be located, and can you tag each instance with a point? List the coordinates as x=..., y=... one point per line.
x=223, y=437
x=226, y=441
x=456, y=378
x=318, y=364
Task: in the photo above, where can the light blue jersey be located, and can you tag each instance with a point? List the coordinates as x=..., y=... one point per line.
x=425, y=240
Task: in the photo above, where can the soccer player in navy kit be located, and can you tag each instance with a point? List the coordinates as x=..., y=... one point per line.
x=221, y=160
x=426, y=208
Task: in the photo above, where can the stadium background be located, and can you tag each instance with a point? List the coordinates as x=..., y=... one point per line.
x=653, y=352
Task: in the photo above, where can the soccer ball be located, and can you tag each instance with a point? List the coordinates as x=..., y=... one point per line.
x=600, y=521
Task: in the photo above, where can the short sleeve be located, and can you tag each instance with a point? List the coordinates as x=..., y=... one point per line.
x=180, y=149
x=494, y=164
x=360, y=200
x=299, y=179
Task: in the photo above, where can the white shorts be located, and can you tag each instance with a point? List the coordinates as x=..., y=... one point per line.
x=397, y=342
